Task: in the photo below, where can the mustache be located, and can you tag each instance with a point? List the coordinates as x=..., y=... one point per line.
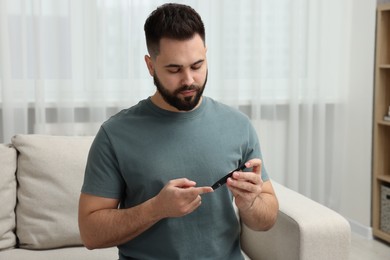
x=186, y=88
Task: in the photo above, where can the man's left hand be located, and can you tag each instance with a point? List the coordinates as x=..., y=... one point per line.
x=246, y=186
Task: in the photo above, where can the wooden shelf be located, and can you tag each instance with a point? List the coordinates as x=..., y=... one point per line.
x=384, y=122
x=381, y=127
x=385, y=178
x=381, y=235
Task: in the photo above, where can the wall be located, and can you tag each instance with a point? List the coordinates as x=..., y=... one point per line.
x=355, y=203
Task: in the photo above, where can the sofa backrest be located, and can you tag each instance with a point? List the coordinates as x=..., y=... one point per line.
x=50, y=172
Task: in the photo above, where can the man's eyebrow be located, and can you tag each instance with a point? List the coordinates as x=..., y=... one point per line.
x=173, y=66
x=197, y=62
x=180, y=66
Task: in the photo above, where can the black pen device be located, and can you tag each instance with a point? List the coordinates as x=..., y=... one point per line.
x=223, y=180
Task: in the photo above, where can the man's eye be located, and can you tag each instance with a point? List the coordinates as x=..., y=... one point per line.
x=196, y=67
x=176, y=70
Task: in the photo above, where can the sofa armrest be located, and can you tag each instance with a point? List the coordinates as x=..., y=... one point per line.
x=304, y=230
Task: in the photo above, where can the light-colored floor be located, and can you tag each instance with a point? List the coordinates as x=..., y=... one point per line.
x=368, y=249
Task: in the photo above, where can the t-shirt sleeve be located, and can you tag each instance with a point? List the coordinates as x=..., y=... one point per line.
x=254, y=151
x=102, y=173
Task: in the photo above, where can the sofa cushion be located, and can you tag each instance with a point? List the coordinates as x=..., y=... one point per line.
x=50, y=174
x=67, y=253
x=7, y=196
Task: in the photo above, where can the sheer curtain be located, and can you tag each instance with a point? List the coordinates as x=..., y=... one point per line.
x=67, y=65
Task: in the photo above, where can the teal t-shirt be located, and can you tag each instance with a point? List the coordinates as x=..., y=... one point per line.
x=137, y=151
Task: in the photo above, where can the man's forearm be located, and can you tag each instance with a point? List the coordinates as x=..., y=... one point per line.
x=112, y=227
x=262, y=215
x=103, y=225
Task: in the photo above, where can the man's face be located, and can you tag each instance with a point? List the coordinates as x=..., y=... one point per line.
x=179, y=97
x=179, y=73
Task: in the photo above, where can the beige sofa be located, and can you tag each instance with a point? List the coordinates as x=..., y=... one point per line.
x=40, y=180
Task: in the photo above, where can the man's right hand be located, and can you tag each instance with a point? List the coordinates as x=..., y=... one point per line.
x=179, y=197
x=102, y=224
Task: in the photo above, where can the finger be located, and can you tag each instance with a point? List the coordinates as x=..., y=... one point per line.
x=239, y=193
x=194, y=204
x=247, y=176
x=243, y=186
x=246, y=181
x=193, y=192
x=182, y=183
x=202, y=190
x=255, y=164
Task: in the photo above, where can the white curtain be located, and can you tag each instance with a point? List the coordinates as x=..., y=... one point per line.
x=67, y=65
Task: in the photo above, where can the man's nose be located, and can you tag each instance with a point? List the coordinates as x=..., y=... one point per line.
x=187, y=78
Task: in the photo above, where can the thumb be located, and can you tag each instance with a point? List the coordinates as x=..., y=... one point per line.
x=255, y=164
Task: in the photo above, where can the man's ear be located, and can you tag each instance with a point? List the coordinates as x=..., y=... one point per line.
x=149, y=64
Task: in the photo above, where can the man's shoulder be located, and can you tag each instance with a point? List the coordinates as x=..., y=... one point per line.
x=128, y=115
x=223, y=109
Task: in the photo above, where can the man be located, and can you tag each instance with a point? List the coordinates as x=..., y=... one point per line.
x=148, y=178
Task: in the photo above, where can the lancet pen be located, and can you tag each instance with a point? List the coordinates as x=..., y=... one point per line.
x=223, y=180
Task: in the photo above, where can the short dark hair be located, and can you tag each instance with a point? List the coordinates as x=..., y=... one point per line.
x=173, y=21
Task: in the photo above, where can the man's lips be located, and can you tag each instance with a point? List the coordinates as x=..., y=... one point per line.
x=187, y=93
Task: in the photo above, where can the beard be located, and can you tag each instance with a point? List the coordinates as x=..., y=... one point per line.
x=173, y=99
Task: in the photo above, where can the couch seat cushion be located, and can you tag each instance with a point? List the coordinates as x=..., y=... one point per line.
x=69, y=253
